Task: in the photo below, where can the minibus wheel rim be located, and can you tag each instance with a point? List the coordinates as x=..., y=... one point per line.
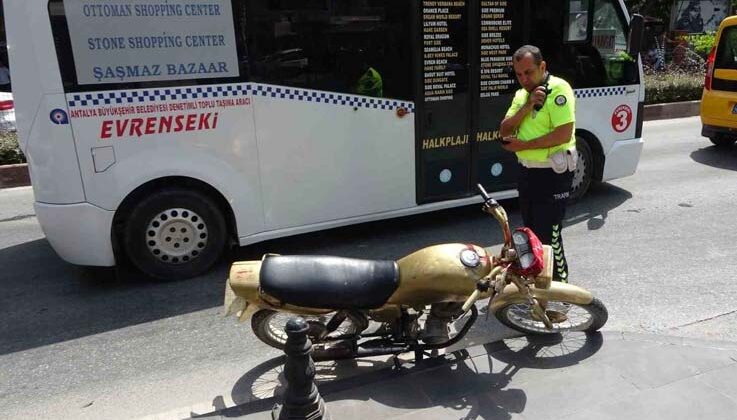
x=176, y=236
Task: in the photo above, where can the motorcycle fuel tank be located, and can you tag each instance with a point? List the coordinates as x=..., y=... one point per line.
x=440, y=273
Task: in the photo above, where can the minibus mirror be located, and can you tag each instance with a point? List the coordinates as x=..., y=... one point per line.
x=634, y=41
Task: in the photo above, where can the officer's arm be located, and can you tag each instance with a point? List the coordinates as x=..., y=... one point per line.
x=560, y=135
x=510, y=124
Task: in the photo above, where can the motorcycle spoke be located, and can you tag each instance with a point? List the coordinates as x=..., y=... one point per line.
x=278, y=321
x=578, y=318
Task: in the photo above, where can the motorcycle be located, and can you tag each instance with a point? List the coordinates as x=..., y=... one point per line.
x=360, y=308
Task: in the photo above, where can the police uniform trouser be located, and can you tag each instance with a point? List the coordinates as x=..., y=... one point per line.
x=542, y=200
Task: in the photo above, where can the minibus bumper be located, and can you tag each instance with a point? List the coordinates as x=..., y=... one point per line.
x=622, y=159
x=80, y=233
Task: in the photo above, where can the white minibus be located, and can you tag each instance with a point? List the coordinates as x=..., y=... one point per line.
x=160, y=131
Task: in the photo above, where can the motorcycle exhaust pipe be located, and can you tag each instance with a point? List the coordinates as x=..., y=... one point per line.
x=342, y=353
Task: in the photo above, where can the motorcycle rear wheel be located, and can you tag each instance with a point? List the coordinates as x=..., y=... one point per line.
x=586, y=318
x=268, y=326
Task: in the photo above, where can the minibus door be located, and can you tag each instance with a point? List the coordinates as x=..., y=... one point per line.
x=443, y=129
x=464, y=87
x=501, y=32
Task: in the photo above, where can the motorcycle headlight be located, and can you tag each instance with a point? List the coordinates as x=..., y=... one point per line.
x=521, y=244
x=529, y=251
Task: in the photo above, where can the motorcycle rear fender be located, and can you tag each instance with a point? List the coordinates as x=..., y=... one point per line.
x=243, y=296
x=242, y=289
x=558, y=291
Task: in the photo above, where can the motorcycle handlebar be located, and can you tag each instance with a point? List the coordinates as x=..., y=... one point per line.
x=484, y=193
x=493, y=207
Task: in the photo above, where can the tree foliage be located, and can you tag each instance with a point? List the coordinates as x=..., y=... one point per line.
x=9, y=150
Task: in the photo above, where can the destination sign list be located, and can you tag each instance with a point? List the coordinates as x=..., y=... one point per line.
x=443, y=51
x=496, y=53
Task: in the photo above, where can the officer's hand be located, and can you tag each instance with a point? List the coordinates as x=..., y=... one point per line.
x=537, y=97
x=513, y=144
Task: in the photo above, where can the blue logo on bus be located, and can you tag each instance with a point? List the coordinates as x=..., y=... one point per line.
x=58, y=116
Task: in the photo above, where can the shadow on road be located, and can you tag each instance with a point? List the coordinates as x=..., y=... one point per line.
x=476, y=383
x=46, y=300
x=721, y=158
x=595, y=207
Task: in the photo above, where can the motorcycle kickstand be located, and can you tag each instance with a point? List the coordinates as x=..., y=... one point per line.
x=397, y=363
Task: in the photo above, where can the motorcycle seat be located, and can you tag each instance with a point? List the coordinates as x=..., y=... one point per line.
x=329, y=282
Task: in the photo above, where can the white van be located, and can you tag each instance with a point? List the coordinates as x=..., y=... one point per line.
x=159, y=130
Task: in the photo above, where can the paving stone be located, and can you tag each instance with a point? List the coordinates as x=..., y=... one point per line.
x=549, y=352
x=564, y=391
x=455, y=381
x=614, y=346
x=471, y=407
x=652, y=367
x=382, y=400
x=683, y=341
x=723, y=380
x=687, y=399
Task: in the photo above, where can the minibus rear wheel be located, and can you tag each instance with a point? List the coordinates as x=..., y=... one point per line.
x=175, y=233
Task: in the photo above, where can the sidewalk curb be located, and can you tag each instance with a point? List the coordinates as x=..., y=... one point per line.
x=672, y=110
x=14, y=176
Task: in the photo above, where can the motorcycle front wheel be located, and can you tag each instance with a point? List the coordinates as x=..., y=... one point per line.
x=566, y=316
x=268, y=326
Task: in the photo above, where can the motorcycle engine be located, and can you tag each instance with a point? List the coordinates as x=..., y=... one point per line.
x=436, y=329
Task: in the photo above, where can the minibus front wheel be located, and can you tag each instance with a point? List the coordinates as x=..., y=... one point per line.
x=175, y=233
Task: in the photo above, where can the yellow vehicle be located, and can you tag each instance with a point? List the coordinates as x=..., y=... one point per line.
x=719, y=100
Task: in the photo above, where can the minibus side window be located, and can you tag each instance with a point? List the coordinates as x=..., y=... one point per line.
x=349, y=46
x=582, y=41
x=577, y=21
x=139, y=44
x=610, y=40
x=549, y=29
x=727, y=49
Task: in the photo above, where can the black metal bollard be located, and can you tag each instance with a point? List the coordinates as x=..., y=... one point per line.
x=301, y=399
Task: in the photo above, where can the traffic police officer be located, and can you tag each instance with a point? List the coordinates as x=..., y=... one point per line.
x=539, y=127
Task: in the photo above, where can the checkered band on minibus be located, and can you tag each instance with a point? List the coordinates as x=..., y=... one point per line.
x=123, y=97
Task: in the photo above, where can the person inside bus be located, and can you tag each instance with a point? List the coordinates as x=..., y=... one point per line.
x=539, y=127
x=354, y=74
x=370, y=82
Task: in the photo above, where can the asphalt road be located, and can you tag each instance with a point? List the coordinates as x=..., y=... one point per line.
x=76, y=343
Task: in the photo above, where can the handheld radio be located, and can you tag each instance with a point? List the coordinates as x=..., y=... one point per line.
x=538, y=107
